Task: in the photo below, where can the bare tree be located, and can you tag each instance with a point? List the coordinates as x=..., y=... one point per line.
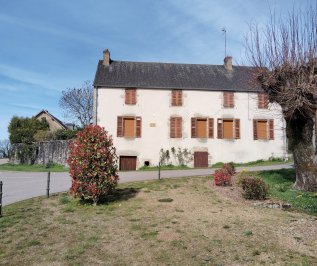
x=78, y=103
x=5, y=148
x=284, y=54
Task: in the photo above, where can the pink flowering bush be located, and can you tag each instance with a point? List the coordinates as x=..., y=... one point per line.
x=92, y=164
x=222, y=177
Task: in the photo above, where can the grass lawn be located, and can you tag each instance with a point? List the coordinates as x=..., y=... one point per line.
x=33, y=168
x=169, y=222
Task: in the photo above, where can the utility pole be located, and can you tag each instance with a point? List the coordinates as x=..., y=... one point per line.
x=225, y=32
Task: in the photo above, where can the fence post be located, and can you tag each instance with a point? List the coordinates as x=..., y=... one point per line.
x=48, y=184
x=159, y=171
x=1, y=198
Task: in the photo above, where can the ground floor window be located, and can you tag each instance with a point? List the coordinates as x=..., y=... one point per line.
x=263, y=129
x=228, y=128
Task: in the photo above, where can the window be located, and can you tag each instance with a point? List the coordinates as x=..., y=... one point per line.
x=130, y=96
x=228, y=99
x=129, y=127
x=228, y=128
x=263, y=100
x=177, y=98
x=176, y=127
x=263, y=129
x=202, y=127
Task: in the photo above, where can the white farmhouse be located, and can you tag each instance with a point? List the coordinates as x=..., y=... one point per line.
x=215, y=111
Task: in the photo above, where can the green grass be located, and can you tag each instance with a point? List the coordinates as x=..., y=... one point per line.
x=165, y=167
x=33, y=168
x=281, y=182
x=272, y=161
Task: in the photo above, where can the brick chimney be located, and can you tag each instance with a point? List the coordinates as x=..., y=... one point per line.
x=228, y=63
x=106, y=57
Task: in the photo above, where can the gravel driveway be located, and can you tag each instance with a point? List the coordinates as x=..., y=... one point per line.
x=24, y=185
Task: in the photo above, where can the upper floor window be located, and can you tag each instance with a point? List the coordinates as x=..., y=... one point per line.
x=228, y=128
x=263, y=100
x=130, y=96
x=228, y=99
x=176, y=127
x=129, y=126
x=177, y=98
x=202, y=127
x=263, y=129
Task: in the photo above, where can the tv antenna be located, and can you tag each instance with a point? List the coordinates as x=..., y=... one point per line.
x=225, y=32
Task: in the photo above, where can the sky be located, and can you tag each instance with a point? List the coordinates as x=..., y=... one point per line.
x=47, y=46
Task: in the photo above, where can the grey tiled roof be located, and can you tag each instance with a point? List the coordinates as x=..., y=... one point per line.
x=124, y=74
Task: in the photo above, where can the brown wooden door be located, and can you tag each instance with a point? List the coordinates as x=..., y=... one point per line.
x=201, y=159
x=127, y=163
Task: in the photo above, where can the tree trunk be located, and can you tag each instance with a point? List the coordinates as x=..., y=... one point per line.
x=301, y=137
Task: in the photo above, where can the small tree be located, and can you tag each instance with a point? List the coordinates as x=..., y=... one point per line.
x=77, y=103
x=5, y=148
x=93, y=164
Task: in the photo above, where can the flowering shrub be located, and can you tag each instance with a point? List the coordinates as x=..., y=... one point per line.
x=222, y=177
x=93, y=164
x=229, y=167
x=254, y=188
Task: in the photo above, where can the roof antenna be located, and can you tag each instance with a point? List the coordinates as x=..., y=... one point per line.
x=225, y=32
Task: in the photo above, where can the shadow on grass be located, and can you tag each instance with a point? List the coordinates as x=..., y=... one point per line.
x=117, y=195
x=278, y=176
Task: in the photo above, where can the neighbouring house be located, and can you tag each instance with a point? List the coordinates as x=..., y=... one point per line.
x=215, y=111
x=54, y=123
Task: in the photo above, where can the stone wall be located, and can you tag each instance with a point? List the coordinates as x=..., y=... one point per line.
x=43, y=152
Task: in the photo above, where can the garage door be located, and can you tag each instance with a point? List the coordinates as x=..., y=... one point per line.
x=127, y=163
x=201, y=159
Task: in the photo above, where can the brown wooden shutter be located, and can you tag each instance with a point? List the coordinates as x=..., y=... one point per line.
x=119, y=126
x=263, y=100
x=237, y=128
x=193, y=127
x=210, y=127
x=172, y=127
x=228, y=99
x=130, y=96
x=179, y=130
x=255, y=129
x=177, y=98
x=271, y=128
x=219, y=128
x=180, y=98
x=174, y=97
x=138, y=130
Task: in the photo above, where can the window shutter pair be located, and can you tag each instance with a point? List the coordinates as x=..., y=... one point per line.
x=228, y=99
x=263, y=100
x=194, y=127
x=177, y=98
x=270, y=128
x=138, y=126
x=236, y=129
x=176, y=127
x=130, y=96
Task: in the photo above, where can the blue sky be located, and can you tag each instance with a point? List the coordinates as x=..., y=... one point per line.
x=47, y=46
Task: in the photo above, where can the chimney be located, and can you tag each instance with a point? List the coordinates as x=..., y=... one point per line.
x=106, y=57
x=228, y=63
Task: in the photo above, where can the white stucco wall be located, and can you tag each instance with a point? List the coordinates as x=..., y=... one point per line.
x=154, y=106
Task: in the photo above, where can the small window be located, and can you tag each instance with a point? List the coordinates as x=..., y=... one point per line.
x=177, y=98
x=129, y=127
x=263, y=129
x=130, y=96
x=176, y=127
x=202, y=127
x=263, y=100
x=228, y=99
x=228, y=128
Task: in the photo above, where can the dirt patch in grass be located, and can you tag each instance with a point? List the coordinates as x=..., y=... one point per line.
x=202, y=225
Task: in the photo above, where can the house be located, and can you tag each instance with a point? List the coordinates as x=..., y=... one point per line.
x=53, y=122
x=215, y=111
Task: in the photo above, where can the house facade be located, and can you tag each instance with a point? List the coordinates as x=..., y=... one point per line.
x=214, y=111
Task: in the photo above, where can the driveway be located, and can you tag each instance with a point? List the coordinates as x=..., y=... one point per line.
x=24, y=185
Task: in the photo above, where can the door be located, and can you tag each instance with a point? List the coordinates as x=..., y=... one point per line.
x=200, y=159
x=127, y=163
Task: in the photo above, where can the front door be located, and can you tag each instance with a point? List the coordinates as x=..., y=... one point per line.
x=200, y=159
